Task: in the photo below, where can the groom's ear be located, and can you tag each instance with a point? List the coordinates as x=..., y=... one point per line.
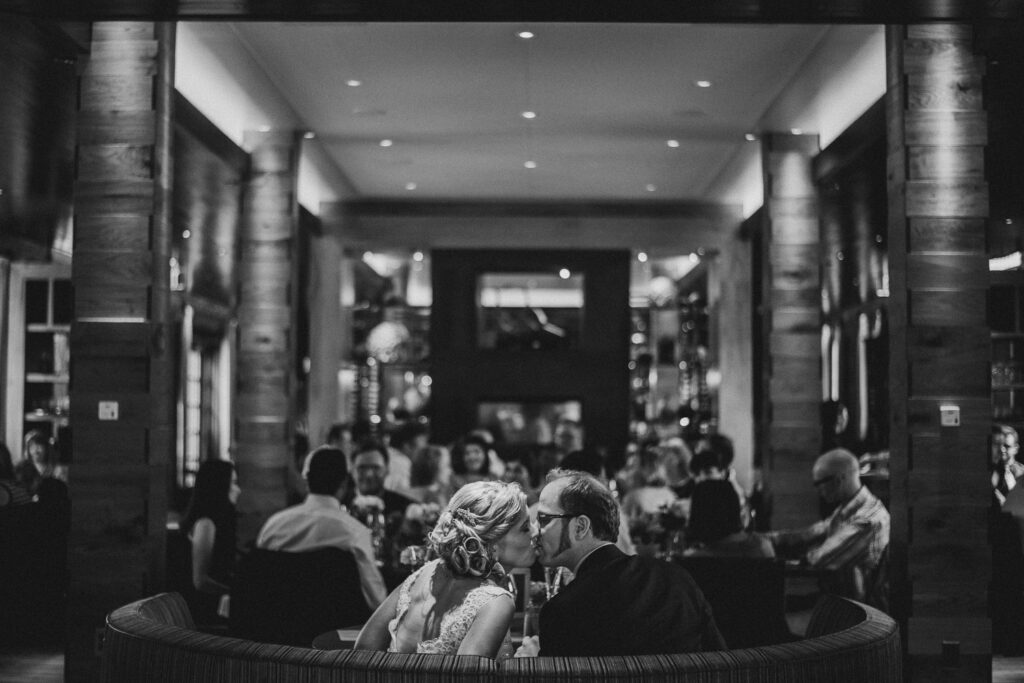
x=581, y=527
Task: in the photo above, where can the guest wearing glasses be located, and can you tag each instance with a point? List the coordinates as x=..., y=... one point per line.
x=852, y=540
x=617, y=604
x=1006, y=471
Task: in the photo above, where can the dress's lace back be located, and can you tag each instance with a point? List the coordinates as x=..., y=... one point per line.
x=455, y=623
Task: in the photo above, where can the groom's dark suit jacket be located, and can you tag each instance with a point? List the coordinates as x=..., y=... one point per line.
x=626, y=605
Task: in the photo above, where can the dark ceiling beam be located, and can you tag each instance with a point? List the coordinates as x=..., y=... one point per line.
x=772, y=11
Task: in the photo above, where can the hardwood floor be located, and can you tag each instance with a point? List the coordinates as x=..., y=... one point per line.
x=28, y=664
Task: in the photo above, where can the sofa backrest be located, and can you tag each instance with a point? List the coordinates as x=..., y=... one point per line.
x=747, y=597
x=852, y=642
x=291, y=597
x=150, y=640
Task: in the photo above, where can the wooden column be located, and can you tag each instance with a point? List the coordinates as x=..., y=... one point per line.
x=730, y=274
x=938, y=201
x=792, y=310
x=120, y=333
x=327, y=332
x=265, y=388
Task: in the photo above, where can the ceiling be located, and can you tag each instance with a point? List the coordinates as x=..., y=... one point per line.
x=608, y=99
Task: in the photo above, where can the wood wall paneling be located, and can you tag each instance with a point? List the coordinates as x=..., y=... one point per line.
x=938, y=202
x=119, y=272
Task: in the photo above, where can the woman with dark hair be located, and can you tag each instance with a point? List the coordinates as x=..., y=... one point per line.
x=470, y=462
x=457, y=603
x=39, y=460
x=209, y=523
x=11, y=492
x=715, y=525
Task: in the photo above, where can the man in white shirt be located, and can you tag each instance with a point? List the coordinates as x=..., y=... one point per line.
x=321, y=522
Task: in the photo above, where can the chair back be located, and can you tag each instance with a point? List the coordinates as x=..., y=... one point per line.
x=747, y=597
x=290, y=598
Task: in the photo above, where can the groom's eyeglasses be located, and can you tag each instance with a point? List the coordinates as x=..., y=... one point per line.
x=543, y=518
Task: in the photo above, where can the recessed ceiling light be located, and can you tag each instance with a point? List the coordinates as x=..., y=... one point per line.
x=417, y=256
x=672, y=143
x=650, y=187
x=386, y=142
x=186, y=233
x=796, y=131
x=749, y=137
x=703, y=84
x=525, y=35
x=353, y=83
x=410, y=186
x=529, y=114
x=309, y=135
x=642, y=257
x=530, y=164
x=564, y=273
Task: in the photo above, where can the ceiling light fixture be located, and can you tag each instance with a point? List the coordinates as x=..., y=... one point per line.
x=641, y=257
x=410, y=186
x=564, y=273
x=672, y=143
x=417, y=256
x=703, y=84
x=530, y=164
x=796, y=131
x=529, y=114
x=650, y=187
x=264, y=129
x=749, y=137
x=386, y=142
x=525, y=35
x=353, y=83
x=309, y=135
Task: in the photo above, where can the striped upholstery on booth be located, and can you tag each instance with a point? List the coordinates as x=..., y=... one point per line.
x=151, y=640
x=852, y=642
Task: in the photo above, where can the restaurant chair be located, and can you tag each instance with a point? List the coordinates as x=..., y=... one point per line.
x=291, y=597
x=747, y=597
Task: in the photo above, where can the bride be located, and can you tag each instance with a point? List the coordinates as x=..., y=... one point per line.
x=457, y=603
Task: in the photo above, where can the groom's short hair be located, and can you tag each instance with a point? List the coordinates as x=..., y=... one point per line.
x=584, y=494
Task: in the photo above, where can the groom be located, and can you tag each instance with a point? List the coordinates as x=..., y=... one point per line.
x=617, y=604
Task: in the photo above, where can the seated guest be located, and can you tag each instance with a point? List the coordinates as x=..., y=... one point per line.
x=372, y=497
x=852, y=540
x=470, y=462
x=715, y=528
x=321, y=522
x=653, y=495
x=209, y=524
x=591, y=462
x=676, y=457
x=713, y=461
x=404, y=441
x=617, y=604
x=39, y=460
x=11, y=492
x=516, y=470
x=1006, y=471
x=459, y=602
x=430, y=476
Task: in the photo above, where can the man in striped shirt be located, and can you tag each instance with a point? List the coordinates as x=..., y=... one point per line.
x=853, y=541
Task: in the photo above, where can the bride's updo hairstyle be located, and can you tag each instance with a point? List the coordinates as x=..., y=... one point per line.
x=476, y=517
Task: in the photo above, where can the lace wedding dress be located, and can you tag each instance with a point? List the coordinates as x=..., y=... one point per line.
x=455, y=623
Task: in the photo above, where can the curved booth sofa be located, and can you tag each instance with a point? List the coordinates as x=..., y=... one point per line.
x=155, y=640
